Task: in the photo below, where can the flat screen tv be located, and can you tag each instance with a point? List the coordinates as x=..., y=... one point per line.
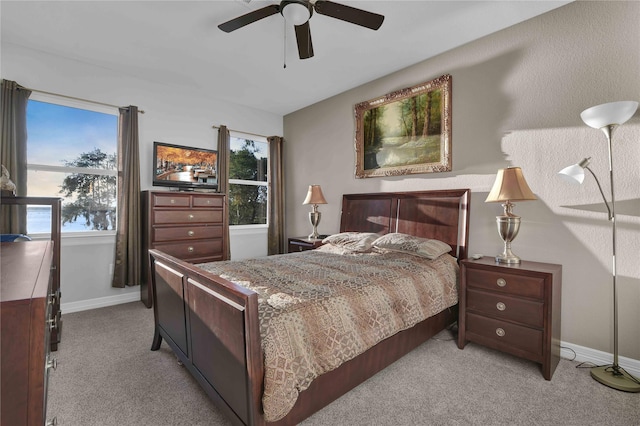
x=184, y=168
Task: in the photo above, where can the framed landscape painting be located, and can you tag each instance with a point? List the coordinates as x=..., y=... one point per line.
x=405, y=132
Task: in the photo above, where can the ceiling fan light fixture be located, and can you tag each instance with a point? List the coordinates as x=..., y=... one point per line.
x=295, y=12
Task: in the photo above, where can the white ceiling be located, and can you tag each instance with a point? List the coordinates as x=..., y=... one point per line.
x=177, y=43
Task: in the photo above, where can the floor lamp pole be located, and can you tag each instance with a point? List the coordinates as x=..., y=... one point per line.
x=612, y=375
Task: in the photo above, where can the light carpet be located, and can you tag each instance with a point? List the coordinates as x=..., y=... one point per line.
x=107, y=375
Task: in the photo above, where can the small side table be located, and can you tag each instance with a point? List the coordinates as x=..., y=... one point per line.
x=514, y=308
x=297, y=244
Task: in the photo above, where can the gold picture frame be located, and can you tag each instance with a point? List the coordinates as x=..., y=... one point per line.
x=392, y=138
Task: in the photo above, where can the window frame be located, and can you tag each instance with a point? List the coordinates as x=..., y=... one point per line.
x=254, y=138
x=78, y=104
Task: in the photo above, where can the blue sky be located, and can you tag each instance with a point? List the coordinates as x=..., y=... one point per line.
x=57, y=133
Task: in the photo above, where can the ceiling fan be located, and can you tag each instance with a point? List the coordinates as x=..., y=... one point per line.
x=298, y=12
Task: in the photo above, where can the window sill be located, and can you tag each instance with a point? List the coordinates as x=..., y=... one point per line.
x=80, y=238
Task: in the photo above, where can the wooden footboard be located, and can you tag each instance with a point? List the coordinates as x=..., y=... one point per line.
x=212, y=326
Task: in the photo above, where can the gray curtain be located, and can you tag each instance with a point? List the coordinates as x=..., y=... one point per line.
x=128, y=255
x=276, y=232
x=13, y=152
x=224, y=147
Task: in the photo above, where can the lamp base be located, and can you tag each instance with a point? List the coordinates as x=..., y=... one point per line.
x=621, y=380
x=508, y=258
x=508, y=227
x=314, y=218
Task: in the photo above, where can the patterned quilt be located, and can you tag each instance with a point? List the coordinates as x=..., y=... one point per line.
x=319, y=309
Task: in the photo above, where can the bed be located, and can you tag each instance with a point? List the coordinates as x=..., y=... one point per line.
x=213, y=326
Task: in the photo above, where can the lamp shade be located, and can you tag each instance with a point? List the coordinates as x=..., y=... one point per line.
x=510, y=185
x=296, y=13
x=575, y=173
x=607, y=114
x=314, y=195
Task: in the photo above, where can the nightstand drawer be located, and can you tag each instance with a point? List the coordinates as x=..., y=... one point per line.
x=517, y=285
x=504, y=335
x=302, y=243
x=502, y=306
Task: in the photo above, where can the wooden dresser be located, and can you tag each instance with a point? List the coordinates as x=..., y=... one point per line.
x=25, y=325
x=512, y=308
x=56, y=226
x=187, y=225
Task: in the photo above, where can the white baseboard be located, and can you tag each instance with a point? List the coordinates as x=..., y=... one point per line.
x=100, y=302
x=584, y=354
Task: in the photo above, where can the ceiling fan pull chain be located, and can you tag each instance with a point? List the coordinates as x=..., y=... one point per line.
x=284, y=44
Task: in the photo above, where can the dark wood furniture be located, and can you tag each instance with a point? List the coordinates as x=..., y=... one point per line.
x=213, y=327
x=56, y=208
x=189, y=226
x=25, y=323
x=512, y=308
x=297, y=244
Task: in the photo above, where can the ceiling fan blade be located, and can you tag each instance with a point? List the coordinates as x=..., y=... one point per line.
x=303, y=36
x=349, y=14
x=249, y=18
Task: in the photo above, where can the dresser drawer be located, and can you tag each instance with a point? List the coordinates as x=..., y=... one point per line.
x=504, y=335
x=187, y=216
x=171, y=200
x=187, y=233
x=207, y=201
x=502, y=306
x=517, y=285
x=192, y=249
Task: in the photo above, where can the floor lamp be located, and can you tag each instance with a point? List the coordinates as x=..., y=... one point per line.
x=606, y=117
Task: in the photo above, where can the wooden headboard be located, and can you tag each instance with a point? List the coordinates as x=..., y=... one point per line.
x=440, y=214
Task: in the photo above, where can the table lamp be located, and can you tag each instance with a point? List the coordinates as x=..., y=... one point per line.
x=314, y=197
x=509, y=186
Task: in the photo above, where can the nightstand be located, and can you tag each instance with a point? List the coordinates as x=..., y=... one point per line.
x=512, y=308
x=297, y=244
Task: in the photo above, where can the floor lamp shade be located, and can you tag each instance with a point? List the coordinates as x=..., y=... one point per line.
x=314, y=197
x=509, y=186
x=606, y=117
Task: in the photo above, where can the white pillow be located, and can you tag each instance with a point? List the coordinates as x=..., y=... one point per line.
x=416, y=246
x=354, y=241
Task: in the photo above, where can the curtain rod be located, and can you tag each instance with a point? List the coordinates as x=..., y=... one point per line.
x=74, y=98
x=239, y=131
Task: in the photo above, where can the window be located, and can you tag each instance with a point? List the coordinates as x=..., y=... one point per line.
x=248, y=180
x=71, y=153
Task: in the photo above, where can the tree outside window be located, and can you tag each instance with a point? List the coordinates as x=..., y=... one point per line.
x=248, y=182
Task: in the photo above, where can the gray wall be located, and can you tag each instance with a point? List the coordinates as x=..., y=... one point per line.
x=517, y=96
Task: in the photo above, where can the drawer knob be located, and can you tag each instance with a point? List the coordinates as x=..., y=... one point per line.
x=501, y=282
x=501, y=306
x=191, y=233
x=52, y=363
x=190, y=249
x=53, y=324
x=173, y=201
x=500, y=332
x=300, y=248
x=190, y=217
